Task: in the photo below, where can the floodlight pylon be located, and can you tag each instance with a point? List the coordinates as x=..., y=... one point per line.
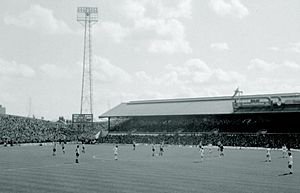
x=87, y=16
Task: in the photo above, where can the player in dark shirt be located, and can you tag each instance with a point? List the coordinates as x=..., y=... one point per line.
x=77, y=154
x=221, y=150
x=133, y=145
x=161, y=150
x=153, y=150
x=83, y=148
x=63, y=147
x=54, y=149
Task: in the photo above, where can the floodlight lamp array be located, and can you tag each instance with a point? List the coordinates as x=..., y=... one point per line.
x=87, y=14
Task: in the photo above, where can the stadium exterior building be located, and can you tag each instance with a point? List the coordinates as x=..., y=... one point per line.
x=272, y=113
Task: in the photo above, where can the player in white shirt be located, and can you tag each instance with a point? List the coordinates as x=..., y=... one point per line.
x=290, y=162
x=200, y=146
x=209, y=148
x=202, y=153
x=268, y=155
x=219, y=145
x=284, y=151
x=77, y=151
x=116, y=152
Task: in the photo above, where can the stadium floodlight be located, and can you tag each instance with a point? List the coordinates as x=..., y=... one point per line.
x=87, y=16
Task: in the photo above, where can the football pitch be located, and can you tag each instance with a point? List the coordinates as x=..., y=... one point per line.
x=34, y=169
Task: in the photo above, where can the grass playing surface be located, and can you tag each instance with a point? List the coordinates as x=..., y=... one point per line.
x=34, y=169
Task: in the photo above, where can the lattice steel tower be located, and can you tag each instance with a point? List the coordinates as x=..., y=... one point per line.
x=87, y=16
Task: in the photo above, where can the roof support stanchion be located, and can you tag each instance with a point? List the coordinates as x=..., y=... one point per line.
x=108, y=124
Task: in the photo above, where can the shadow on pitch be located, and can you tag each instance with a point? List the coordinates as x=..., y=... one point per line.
x=266, y=161
x=285, y=174
x=67, y=163
x=197, y=162
x=281, y=157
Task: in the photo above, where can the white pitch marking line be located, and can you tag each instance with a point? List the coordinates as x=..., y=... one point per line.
x=28, y=168
x=94, y=157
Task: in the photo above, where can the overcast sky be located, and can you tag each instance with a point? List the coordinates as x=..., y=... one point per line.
x=145, y=49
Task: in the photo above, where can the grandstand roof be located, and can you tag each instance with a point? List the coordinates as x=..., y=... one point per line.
x=184, y=106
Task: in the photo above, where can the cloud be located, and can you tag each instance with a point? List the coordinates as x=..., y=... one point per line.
x=222, y=46
x=292, y=65
x=169, y=47
x=229, y=76
x=115, y=30
x=259, y=64
x=232, y=7
x=171, y=29
x=262, y=65
x=191, y=78
x=183, y=9
x=192, y=71
x=106, y=72
x=171, y=32
x=295, y=47
x=134, y=9
x=270, y=77
x=15, y=69
x=261, y=85
x=274, y=48
x=56, y=72
x=201, y=72
x=39, y=18
x=163, y=20
x=164, y=9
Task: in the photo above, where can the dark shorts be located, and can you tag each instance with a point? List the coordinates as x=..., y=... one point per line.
x=54, y=150
x=77, y=154
x=290, y=166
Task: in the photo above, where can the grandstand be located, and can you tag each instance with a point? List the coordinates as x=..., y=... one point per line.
x=250, y=120
x=271, y=119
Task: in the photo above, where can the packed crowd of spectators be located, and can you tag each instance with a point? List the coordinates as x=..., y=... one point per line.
x=17, y=129
x=255, y=130
x=29, y=130
x=190, y=130
x=238, y=140
x=246, y=123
